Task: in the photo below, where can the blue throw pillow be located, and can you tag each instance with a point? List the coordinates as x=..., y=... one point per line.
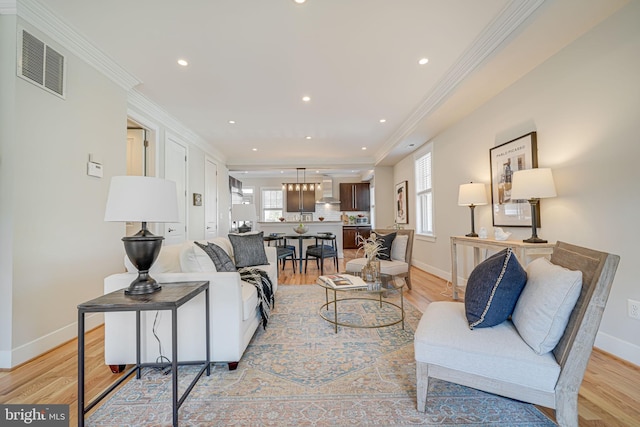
x=248, y=249
x=386, y=241
x=220, y=259
x=493, y=289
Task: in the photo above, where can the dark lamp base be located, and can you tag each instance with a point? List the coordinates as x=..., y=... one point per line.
x=534, y=240
x=472, y=235
x=143, y=249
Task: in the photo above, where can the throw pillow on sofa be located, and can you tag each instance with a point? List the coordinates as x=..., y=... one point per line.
x=248, y=249
x=220, y=259
x=546, y=303
x=493, y=289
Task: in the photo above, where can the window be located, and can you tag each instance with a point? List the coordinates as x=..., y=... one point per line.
x=424, y=191
x=271, y=204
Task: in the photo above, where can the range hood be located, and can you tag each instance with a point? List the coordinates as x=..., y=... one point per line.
x=327, y=192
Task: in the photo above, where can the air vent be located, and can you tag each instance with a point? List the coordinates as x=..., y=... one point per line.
x=41, y=64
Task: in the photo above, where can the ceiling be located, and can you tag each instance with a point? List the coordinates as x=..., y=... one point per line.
x=252, y=61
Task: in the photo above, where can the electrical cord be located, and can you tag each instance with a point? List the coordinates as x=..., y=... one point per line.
x=160, y=359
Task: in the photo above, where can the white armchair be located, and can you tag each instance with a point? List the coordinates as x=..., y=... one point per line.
x=401, y=251
x=498, y=360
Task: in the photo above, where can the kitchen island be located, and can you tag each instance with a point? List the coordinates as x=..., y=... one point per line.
x=315, y=227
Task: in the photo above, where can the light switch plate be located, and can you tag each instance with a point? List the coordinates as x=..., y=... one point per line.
x=94, y=169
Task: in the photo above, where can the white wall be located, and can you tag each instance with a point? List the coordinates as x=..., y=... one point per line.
x=56, y=248
x=7, y=138
x=61, y=248
x=384, y=189
x=584, y=104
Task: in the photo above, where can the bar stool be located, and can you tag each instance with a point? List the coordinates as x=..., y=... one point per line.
x=325, y=247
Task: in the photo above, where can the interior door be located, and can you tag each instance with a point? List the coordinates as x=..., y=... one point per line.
x=135, y=165
x=175, y=161
x=210, y=199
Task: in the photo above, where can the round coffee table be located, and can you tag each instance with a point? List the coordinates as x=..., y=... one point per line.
x=375, y=291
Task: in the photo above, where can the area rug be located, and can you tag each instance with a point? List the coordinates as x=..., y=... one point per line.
x=299, y=372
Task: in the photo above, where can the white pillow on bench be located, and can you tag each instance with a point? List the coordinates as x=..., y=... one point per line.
x=545, y=304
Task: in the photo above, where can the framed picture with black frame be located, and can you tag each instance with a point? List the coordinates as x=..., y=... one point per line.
x=505, y=159
x=401, y=205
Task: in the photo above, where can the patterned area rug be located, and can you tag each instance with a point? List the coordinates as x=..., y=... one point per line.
x=299, y=372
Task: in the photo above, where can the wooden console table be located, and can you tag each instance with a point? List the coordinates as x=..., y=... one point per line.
x=521, y=249
x=170, y=297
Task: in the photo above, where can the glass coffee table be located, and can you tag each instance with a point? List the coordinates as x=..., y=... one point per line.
x=377, y=291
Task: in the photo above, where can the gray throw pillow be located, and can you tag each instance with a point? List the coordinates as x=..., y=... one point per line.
x=220, y=258
x=493, y=289
x=248, y=249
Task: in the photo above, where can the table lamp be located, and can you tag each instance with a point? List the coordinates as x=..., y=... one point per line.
x=142, y=199
x=243, y=212
x=472, y=195
x=533, y=185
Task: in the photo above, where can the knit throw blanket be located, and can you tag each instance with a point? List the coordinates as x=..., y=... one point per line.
x=260, y=279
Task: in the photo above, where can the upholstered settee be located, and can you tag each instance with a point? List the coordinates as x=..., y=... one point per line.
x=234, y=312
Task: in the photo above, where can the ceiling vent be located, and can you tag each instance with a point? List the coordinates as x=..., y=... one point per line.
x=40, y=64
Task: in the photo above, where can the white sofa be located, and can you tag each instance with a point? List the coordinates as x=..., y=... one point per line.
x=234, y=312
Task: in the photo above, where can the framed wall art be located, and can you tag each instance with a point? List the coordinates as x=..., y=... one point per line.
x=505, y=159
x=402, y=205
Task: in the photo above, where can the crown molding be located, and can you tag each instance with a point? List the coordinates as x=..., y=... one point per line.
x=8, y=7
x=148, y=108
x=46, y=21
x=512, y=16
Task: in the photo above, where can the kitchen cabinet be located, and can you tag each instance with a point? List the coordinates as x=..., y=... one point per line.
x=354, y=196
x=350, y=235
x=301, y=201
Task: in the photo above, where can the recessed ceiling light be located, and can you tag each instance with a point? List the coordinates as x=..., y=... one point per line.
x=306, y=98
x=307, y=137
x=423, y=61
x=183, y=62
x=254, y=149
x=383, y=120
x=299, y=1
x=232, y=122
x=364, y=148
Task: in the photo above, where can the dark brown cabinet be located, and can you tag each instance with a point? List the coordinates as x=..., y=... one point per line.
x=350, y=235
x=301, y=201
x=354, y=196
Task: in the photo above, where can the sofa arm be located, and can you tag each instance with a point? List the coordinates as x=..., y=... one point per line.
x=272, y=254
x=226, y=321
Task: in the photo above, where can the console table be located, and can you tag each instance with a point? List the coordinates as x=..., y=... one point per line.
x=170, y=297
x=521, y=249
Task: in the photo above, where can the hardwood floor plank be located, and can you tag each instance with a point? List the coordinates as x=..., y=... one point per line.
x=608, y=396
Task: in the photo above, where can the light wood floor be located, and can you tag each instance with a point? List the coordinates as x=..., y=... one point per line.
x=608, y=396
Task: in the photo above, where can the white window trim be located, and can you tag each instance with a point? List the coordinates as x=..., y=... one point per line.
x=430, y=237
x=262, y=208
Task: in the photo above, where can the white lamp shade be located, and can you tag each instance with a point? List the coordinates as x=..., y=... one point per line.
x=142, y=199
x=536, y=183
x=473, y=193
x=243, y=212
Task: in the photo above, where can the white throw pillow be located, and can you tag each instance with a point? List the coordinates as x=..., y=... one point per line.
x=195, y=260
x=399, y=247
x=545, y=305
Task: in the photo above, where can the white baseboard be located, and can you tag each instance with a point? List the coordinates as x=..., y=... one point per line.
x=45, y=343
x=622, y=349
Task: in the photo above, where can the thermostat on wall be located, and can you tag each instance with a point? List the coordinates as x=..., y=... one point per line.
x=94, y=169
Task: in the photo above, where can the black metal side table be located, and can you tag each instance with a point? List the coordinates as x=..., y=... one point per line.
x=170, y=297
